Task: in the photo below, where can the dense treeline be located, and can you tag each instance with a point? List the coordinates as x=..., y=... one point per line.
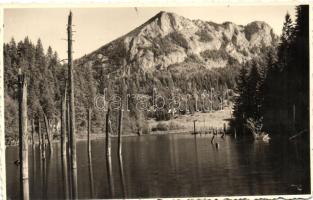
x=46, y=83
x=275, y=93
x=47, y=79
x=197, y=89
x=42, y=71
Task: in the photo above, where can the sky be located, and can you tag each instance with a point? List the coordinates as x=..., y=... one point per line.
x=94, y=27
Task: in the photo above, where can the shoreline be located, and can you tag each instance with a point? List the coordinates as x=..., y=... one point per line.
x=183, y=124
x=80, y=138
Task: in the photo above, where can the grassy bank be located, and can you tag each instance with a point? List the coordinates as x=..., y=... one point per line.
x=185, y=123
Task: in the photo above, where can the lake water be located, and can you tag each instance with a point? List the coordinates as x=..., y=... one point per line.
x=174, y=165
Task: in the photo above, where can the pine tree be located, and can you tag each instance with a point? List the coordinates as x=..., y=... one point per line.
x=263, y=86
x=299, y=67
x=241, y=101
x=288, y=30
x=286, y=38
x=253, y=81
x=287, y=83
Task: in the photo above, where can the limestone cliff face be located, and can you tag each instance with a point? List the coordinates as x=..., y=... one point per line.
x=167, y=41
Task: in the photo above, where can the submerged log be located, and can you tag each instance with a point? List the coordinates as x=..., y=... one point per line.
x=298, y=134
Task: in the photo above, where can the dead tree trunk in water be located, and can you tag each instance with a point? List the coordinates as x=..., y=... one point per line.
x=91, y=181
x=39, y=136
x=46, y=169
x=71, y=92
x=88, y=132
x=48, y=131
x=68, y=129
x=23, y=137
x=89, y=153
x=33, y=131
x=120, y=127
x=65, y=177
x=194, y=127
x=72, y=105
x=107, y=135
x=63, y=124
x=120, y=163
x=108, y=152
x=43, y=141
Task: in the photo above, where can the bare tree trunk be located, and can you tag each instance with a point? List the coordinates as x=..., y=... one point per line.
x=33, y=151
x=194, y=127
x=222, y=102
x=34, y=173
x=23, y=138
x=196, y=105
x=120, y=128
x=65, y=177
x=63, y=124
x=120, y=163
x=108, y=153
x=39, y=136
x=48, y=131
x=72, y=106
x=43, y=141
x=88, y=132
x=45, y=168
x=211, y=99
x=107, y=135
x=91, y=181
x=68, y=129
x=33, y=130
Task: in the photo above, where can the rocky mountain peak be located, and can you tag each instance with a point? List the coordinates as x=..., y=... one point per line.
x=168, y=41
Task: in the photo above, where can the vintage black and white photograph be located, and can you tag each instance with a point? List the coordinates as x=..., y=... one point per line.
x=156, y=102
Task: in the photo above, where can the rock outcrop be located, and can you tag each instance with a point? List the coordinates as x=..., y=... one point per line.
x=167, y=41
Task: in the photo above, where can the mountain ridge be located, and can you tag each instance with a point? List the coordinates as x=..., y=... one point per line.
x=168, y=39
